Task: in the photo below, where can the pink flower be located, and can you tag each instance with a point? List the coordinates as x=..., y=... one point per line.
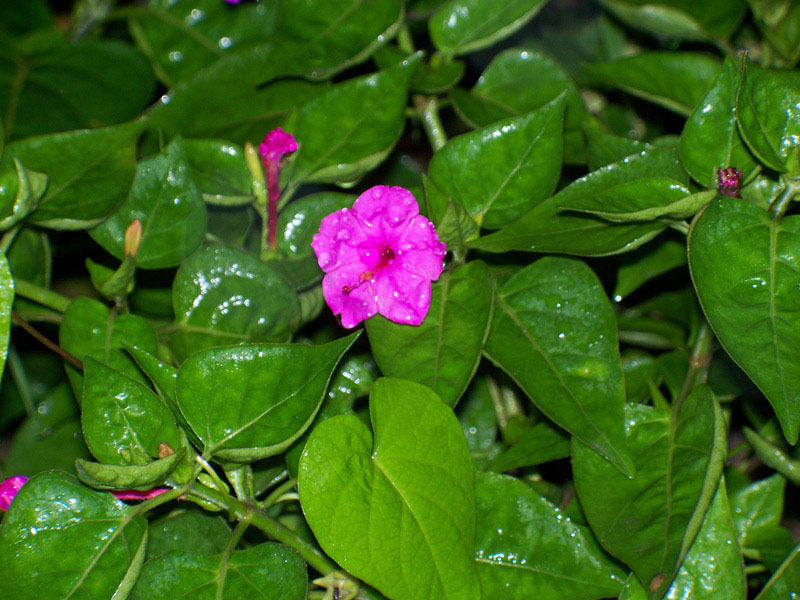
x=379, y=258
x=138, y=495
x=276, y=143
x=9, y=488
x=233, y=1
x=728, y=181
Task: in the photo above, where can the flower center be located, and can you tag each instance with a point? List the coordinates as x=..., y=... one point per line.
x=387, y=255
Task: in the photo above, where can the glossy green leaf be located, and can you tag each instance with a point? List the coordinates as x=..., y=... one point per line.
x=30, y=258
x=20, y=192
x=780, y=22
x=59, y=88
x=785, y=581
x=250, y=402
x=554, y=332
x=190, y=530
x=167, y=202
x=414, y=476
x=350, y=128
x=768, y=113
x=89, y=173
x=647, y=263
x=268, y=571
x=222, y=295
x=123, y=421
x=713, y=568
x=443, y=352
x=757, y=510
x=299, y=221
x=684, y=19
x=128, y=477
x=461, y=26
x=61, y=539
x=675, y=80
x=773, y=456
x=604, y=148
x=160, y=374
x=711, y=139
x=640, y=370
x=501, y=172
x=538, y=444
x=525, y=547
x=750, y=299
x=220, y=172
x=650, y=521
x=547, y=229
x=479, y=422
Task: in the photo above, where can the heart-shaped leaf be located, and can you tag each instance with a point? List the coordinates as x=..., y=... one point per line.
x=414, y=476
x=61, y=539
x=250, y=402
x=555, y=333
x=746, y=268
x=443, y=352
x=128, y=477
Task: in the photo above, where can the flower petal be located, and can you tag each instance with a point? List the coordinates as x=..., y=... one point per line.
x=383, y=209
x=419, y=249
x=338, y=240
x=357, y=305
x=402, y=296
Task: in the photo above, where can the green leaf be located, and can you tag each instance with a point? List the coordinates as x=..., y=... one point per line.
x=768, y=113
x=191, y=530
x=650, y=521
x=251, y=402
x=501, y=172
x=166, y=200
x=444, y=351
x=268, y=571
x=745, y=268
x=455, y=228
x=160, y=374
x=50, y=438
x=547, y=229
x=675, y=80
x=555, y=334
x=219, y=169
x=123, y=421
x=89, y=173
x=711, y=139
x=350, y=128
x=713, y=567
x=6, y=303
x=647, y=263
x=524, y=547
x=415, y=474
x=757, y=510
x=222, y=295
x=478, y=419
x=773, y=456
x=61, y=539
x=128, y=477
x=30, y=259
x=516, y=82
x=538, y=444
x=786, y=580
x=604, y=147
x=72, y=86
x=683, y=19
x=780, y=22
x=18, y=17
x=20, y=192
x=89, y=328
x=299, y=221
x=461, y=26
x=639, y=369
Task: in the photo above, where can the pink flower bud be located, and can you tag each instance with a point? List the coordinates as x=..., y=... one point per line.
x=728, y=181
x=139, y=495
x=9, y=488
x=276, y=144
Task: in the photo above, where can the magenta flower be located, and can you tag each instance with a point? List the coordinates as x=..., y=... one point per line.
x=276, y=143
x=139, y=495
x=9, y=488
x=233, y=1
x=379, y=258
x=728, y=181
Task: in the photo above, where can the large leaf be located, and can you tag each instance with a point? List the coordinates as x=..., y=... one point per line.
x=299, y=221
x=350, y=128
x=461, y=26
x=413, y=477
x=191, y=530
x=61, y=539
x=757, y=510
x=91, y=329
x=675, y=80
x=534, y=445
x=711, y=139
x=780, y=22
x=555, y=333
x=167, y=202
x=250, y=402
x=547, y=229
x=219, y=169
x=785, y=581
x=223, y=295
x=650, y=521
x=502, y=172
x=268, y=571
x=647, y=263
x=745, y=268
x=525, y=547
x=443, y=352
x=72, y=86
x=89, y=173
x=768, y=113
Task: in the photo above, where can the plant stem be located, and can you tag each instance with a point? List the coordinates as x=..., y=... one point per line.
x=43, y=296
x=428, y=111
x=781, y=204
x=51, y=345
x=277, y=493
x=404, y=39
x=699, y=361
x=273, y=193
x=17, y=370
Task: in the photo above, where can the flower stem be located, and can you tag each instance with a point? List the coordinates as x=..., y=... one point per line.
x=43, y=296
x=273, y=193
x=41, y=338
x=404, y=39
x=428, y=111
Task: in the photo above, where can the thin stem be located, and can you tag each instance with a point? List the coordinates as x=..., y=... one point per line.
x=404, y=39
x=43, y=296
x=699, y=361
x=781, y=204
x=51, y=345
x=21, y=380
x=237, y=534
x=428, y=111
x=681, y=226
x=277, y=493
x=211, y=472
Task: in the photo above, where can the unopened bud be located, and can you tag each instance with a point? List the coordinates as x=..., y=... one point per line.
x=133, y=237
x=165, y=450
x=728, y=181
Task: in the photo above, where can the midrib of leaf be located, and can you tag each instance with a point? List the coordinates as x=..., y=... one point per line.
x=342, y=16
x=773, y=249
x=526, y=567
x=473, y=35
x=186, y=30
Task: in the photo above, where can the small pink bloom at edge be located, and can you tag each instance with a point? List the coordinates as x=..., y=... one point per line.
x=379, y=257
x=138, y=495
x=9, y=488
x=276, y=143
